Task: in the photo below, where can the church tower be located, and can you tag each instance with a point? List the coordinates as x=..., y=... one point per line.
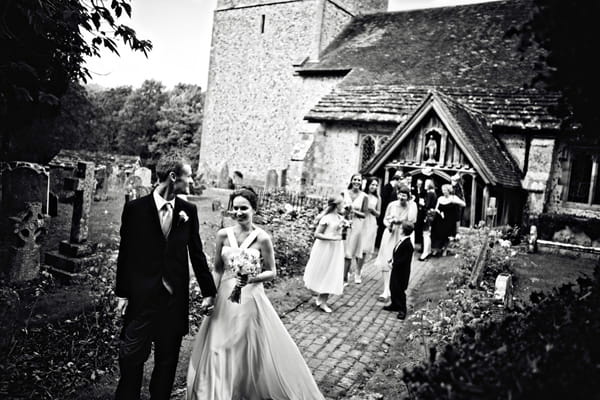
x=254, y=101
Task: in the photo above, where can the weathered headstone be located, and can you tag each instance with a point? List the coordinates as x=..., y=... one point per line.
x=145, y=175
x=53, y=205
x=83, y=184
x=271, y=182
x=29, y=227
x=22, y=183
x=74, y=254
x=101, y=175
x=223, y=180
x=532, y=246
x=503, y=290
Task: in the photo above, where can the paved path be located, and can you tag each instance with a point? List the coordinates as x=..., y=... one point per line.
x=344, y=345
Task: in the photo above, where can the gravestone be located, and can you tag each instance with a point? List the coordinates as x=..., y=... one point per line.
x=53, y=205
x=101, y=192
x=75, y=253
x=503, y=289
x=223, y=179
x=22, y=183
x=145, y=175
x=271, y=181
x=29, y=228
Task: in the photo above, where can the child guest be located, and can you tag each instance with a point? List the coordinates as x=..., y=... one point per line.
x=324, y=272
x=401, y=260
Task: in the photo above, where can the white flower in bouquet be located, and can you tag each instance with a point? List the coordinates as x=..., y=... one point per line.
x=245, y=265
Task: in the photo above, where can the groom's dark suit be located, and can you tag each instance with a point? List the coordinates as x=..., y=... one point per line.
x=153, y=274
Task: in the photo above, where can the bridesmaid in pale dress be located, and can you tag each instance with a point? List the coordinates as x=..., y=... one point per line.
x=373, y=211
x=324, y=272
x=355, y=200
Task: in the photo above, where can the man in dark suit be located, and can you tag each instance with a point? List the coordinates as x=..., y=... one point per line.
x=388, y=194
x=158, y=232
x=402, y=258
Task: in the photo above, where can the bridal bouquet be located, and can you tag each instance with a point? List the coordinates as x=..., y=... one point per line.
x=347, y=221
x=245, y=265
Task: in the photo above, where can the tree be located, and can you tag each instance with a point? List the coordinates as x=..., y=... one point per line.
x=138, y=118
x=71, y=128
x=568, y=31
x=180, y=121
x=43, y=50
x=108, y=104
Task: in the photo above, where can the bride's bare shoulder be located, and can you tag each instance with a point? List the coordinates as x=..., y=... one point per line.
x=262, y=235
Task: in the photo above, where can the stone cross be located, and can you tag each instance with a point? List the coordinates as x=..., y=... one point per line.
x=83, y=184
x=29, y=226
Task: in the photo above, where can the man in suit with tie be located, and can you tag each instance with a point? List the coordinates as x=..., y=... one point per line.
x=402, y=258
x=158, y=232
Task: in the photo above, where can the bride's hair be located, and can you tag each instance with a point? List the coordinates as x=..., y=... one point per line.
x=248, y=193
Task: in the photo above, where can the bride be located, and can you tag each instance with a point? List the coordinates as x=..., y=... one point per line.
x=243, y=351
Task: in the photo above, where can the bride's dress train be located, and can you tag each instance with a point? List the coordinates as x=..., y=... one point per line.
x=243, y=351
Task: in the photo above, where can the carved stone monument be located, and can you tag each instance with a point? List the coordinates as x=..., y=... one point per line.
x=24, y=182
x=145, y=175
x=75, y=253
x=29, y=228
x=271, y=181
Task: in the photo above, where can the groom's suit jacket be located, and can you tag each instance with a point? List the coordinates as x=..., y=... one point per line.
x=146, y=257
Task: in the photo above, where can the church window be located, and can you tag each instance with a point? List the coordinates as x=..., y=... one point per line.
x=262, y=23
x=584, y=180
x=367, y=150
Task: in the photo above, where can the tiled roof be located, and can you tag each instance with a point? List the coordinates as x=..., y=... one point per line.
x=471, y=131
x=457, y=46
x=393, y=103
x=476, y=133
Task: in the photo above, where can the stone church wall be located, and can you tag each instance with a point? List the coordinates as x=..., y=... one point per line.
x=516, y=146
x=249, y=111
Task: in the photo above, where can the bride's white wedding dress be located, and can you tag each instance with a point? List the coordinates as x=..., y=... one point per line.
x=243, y=351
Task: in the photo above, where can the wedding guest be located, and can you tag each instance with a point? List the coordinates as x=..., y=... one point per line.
x=355, y=204
x=457, y=189
x=401, y=260
x=397, y=212
x=324, y=272
x=444, y=224
x=373, y=211
x=419, y=196
x=429, y=215
x=388, y=194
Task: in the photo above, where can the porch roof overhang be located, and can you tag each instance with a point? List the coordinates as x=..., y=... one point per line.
x=472, y=134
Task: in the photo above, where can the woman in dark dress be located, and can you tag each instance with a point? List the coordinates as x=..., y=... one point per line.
x=444, y=224
x=428, y=216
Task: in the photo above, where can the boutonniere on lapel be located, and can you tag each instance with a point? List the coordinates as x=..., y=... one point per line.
x=183, y=217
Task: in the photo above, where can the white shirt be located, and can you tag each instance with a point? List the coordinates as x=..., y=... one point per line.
x=160, y=202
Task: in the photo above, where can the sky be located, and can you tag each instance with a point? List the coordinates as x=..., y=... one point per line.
x=180, y=31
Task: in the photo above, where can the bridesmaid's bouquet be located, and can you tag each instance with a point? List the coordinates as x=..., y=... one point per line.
x=346, y=221
x=245, y=265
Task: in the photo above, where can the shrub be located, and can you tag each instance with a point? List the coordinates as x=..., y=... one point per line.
x=549, y=350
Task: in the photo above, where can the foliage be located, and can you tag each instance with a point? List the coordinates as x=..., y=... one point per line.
x=464, y=307
x=548, y=350
x=108, y=104
x=292, y=229
x=565, y=30
x=56, y=358
x=43, y=50
x=139, y=116
x=70, y=128
x=550, y=223
x=179, y=122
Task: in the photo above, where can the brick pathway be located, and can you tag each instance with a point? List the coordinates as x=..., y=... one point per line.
x=344, y=345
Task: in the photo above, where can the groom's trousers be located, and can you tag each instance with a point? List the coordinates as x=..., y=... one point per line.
x=152, y=325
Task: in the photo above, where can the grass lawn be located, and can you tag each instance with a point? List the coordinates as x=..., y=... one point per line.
x=543, y=272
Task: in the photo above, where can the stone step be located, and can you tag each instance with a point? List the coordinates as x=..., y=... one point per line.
x=62, y=276
x=69, y=264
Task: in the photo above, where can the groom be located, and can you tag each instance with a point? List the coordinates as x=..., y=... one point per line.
x=158, y=232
